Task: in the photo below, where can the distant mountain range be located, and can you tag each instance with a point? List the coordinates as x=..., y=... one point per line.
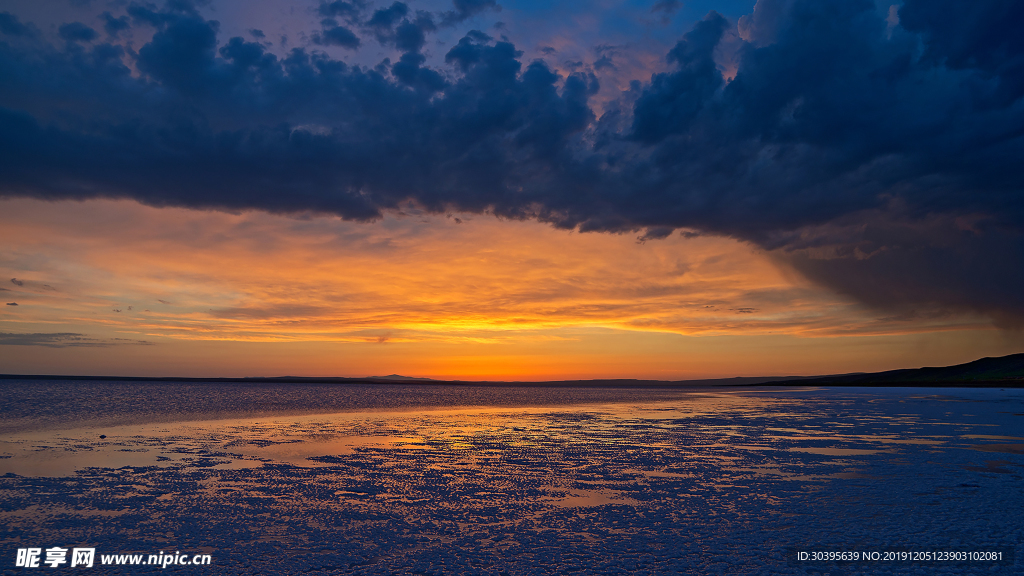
x=1001, y=372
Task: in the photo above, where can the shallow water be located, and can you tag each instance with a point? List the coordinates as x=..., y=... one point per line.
x=712, y=481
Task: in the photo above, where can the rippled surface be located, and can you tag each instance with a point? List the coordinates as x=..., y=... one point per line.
x=634, y=482
x=45, y=404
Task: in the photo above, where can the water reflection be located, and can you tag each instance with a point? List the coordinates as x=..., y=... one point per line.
x=646, y=485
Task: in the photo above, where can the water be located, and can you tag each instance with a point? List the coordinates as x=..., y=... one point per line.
x=46, y=404
x=285, y=479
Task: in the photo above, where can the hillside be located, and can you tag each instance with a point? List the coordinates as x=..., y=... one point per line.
x=1005, y=371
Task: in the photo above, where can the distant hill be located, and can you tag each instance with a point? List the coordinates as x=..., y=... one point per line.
x=1003, y=371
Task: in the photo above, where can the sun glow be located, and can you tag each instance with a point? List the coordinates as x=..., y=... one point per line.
x=467, y=296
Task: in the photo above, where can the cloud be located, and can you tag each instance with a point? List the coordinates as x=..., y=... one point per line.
x=78, y=32
x=387, y=18
x=34, y=286
x=114, y=26
x=466, y=9
x=63, y=340
x=674, y=100
x=656, y=233
x=668, y=8
x=11, y=26
x=335, y=35
x=877, y=158
x=605, y=54
x=399, y=27
x=269, y=313
x=421, y=277
x=351, y=11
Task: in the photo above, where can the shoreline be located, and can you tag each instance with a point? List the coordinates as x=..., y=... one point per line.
x=844, y=381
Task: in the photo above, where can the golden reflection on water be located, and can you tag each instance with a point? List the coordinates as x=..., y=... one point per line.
x=719, y=428
x=1004, y=448
x=569, y=457
x=647, y=477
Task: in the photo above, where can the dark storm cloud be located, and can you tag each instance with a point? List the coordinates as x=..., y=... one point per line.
x=398, y=26
x=386, y=18
x=336, y=35
x=114, y=26
x=11, y=26
x=876, y=155
x=77, y=32
x=674, y=100
x=350, y=11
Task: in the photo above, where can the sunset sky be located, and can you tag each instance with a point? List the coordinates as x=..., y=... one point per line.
x=474, y=189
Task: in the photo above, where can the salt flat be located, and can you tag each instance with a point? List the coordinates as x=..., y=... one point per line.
x=698, y=482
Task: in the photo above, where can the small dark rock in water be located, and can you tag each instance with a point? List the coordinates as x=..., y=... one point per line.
x=102, y=436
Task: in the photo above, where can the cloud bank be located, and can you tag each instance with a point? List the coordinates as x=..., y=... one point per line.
x=873, y=148
x=63, y=340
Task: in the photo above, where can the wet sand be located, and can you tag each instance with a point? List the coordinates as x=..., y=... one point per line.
x=702, y=482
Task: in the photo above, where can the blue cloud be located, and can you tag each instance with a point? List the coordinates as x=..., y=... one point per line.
x=77, y=32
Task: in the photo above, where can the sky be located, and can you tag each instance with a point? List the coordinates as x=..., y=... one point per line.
x=475, y=189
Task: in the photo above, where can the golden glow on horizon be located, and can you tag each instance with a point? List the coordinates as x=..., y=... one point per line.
x=480, y=298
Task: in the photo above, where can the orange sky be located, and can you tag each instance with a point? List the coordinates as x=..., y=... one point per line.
x=216, y=294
